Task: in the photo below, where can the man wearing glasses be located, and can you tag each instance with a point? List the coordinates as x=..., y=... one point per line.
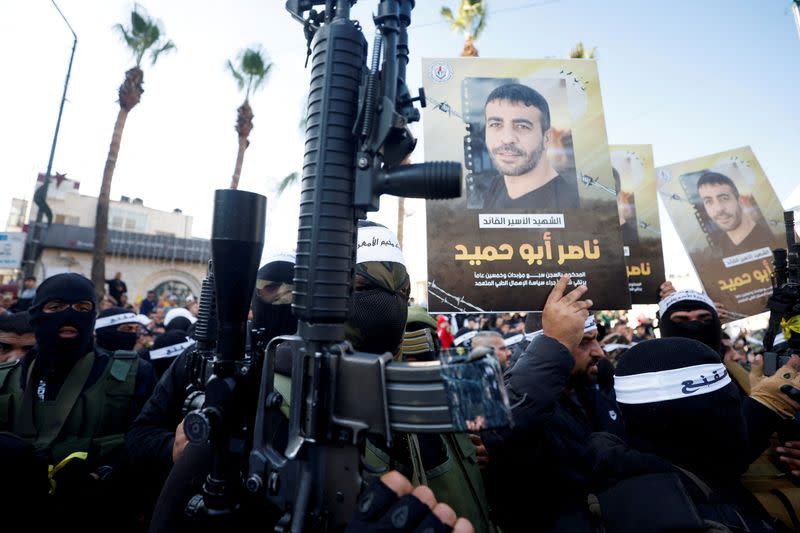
x=71, y=403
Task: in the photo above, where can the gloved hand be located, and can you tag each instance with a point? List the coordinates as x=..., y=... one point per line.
x=72, y=474
x=781, y=391
x=390, y=504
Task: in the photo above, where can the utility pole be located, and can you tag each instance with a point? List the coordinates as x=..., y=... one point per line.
x=36, y=234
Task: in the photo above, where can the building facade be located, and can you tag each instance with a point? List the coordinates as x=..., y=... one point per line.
x=152, y=249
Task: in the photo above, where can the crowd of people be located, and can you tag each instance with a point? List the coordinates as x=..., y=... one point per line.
x=618, y=425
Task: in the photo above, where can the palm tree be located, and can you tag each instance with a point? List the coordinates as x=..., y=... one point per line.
x=579, y=52
x=471, y=21
x=252, y=72
x=144, y=35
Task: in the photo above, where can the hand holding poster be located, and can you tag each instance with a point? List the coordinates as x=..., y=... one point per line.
x=729, y=220
x=540, y=200
x=635, y=177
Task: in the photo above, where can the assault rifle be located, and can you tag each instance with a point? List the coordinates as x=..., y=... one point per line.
x=356, y=138
x=784, y=304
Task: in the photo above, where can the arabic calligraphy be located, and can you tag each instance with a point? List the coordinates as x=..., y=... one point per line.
x=555, y=220
x=642, y=269
x=529, y=253
x=526, y=279
x=691, y=386
x=732, y=284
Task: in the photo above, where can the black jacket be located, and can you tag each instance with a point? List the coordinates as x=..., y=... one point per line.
x=151, y=435
x=642, y=492
x=547, y=450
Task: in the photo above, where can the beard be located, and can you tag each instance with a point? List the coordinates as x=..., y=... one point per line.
x=728, y=221
x=528, y=162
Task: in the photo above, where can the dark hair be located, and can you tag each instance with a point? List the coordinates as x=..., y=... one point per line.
x=715, y=178
x=518, y=93
x=30, y=278
x=15, y=323
x=533, y=322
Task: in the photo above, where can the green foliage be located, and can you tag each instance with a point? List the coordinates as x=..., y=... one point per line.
x=580, y=52
x=144, y=34
x=470, y=19
x=288, y=181
x=251, y=70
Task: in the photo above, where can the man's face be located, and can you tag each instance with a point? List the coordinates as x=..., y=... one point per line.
x=730, y=353
x=118, y=276
x=57, y=306
x=722, y=205
x=151, y=296
x=501, y=351
x=703, y=315
x=514, y=136
x=14, y=346
x=587, y=354
x=30, y=283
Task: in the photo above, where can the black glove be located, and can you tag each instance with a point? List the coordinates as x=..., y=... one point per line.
x=379, y=509
x=74, y=475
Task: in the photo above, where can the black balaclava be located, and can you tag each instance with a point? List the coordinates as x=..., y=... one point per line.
x=377, y=313
x=272, y=299
x=106, y=332
x=179, y=323
x=54, y=353
x=709, y=333
x=678, y=402
x=178, y=318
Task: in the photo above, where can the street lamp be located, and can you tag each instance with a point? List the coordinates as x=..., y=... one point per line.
x=34, y=247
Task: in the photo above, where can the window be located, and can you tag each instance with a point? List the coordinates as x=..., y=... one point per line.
x=127, y=220
x=68, y=220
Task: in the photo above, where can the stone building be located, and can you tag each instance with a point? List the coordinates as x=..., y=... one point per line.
x=153, y=249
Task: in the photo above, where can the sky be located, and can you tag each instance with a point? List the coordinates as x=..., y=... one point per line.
x=691, y=78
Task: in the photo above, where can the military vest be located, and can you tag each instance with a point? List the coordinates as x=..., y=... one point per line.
x=93, y=420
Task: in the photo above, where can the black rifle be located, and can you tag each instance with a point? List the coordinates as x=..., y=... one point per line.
x=784, y=303
x=356, y=138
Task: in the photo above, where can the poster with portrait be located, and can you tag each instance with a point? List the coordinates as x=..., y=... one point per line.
x=538, y=198
x=637, y=203
x=729, y=220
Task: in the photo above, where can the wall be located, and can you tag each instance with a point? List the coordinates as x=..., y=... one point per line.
x=139, y=274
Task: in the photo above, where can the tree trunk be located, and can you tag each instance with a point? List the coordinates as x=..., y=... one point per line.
x=244, y=125
x=243, y=142
x=101, y=218
x=469, y=47
x=401, y=219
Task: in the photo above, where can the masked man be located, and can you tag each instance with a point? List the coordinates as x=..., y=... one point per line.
x=72, y=403
x=156, y=438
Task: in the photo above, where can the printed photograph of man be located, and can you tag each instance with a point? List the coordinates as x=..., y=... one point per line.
x=626, y=207
x=518, y=137
x=723, y=205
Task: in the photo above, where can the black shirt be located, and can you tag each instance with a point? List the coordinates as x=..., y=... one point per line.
x=116, y=288
x=558, y=193
x=759, y=237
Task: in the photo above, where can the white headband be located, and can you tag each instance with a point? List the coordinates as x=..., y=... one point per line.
x=670, y=384
x=283, y=256
x=458, y=341
x=177, y=312
x=534, y=334
x=115, y=320
x=516, y=339
x=378, y=243
x=610, y=347
x=170, y=351
x=590, y=324
x=680, y=296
